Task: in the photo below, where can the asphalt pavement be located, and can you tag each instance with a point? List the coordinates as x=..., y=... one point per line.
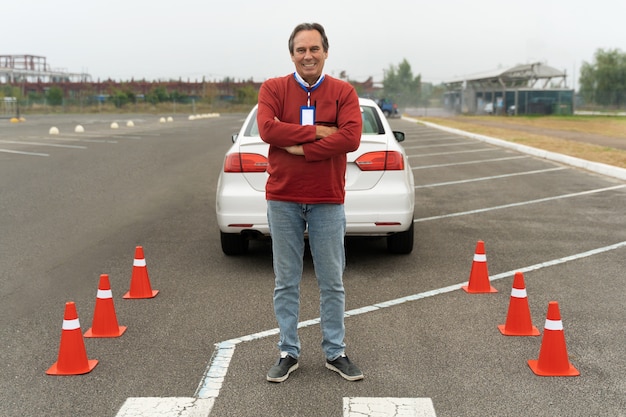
x=76, y=205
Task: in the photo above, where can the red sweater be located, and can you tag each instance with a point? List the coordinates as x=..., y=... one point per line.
x=319, y=175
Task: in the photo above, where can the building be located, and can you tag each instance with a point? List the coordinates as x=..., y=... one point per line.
x=32, y=68
x=524, y=89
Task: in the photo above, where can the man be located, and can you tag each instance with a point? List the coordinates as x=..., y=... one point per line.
x=311, y=121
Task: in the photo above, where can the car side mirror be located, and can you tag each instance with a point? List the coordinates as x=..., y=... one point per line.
x=399, y=136
x=234, y=137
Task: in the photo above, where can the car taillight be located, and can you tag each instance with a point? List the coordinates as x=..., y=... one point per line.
x=245, y=162
x=381, y=161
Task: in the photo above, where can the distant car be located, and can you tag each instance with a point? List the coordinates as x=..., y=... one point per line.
x=488, y=108
x=511, y=110
x=380, y=191
x=389, y=108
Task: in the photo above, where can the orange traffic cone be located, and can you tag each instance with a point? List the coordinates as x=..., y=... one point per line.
x=553, y=360
x=104, y=318
x=479, y=277
x=518, y=322
x=72, y=358
x=140, y=282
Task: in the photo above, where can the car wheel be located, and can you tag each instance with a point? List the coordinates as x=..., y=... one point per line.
x=402, y=242
x=386, y=113
x=234, y=243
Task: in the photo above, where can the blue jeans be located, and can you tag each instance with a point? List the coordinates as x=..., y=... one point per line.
x=326, y=229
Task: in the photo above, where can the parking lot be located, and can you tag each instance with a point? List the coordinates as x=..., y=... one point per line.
x=76, y=205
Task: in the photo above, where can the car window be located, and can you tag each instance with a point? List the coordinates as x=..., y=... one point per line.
x=253, y=128
x=371, y=123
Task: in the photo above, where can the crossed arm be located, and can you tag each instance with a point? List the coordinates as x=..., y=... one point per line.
x=320, y=133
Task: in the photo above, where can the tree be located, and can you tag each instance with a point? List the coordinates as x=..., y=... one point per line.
x=246, y=95
x=604, y=80
x=400, y=85
x=177, y=97
x=120, y=98
x=157, y=95
x=54, y=95
x=10, y=91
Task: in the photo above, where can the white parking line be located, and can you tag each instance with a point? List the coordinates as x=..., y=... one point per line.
x=452, y=153
x=24, y=153
x=130, y=137
x=387, y=407
x=55, y=145
x=522, y=203
x=429, y=135
x=211, y=383
x=66, y=139
x=604, y=169
x=68, y=136
x=166, y=407
x=440, y=144
x=494, y=177
x=477, y=161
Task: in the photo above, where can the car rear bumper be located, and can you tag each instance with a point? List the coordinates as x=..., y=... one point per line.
x=388, y=212
x=379, y=212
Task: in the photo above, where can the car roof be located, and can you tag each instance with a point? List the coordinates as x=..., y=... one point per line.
x=366, y=101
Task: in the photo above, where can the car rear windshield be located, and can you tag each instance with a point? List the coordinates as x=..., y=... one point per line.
x=371, y=123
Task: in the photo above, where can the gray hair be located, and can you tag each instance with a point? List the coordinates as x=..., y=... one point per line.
x=308, y=26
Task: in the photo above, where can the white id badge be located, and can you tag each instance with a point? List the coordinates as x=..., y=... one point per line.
x=307, y=115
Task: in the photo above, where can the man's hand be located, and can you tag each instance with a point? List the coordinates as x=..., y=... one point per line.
x=320, y=133
x=295, y=150
x=323, y=131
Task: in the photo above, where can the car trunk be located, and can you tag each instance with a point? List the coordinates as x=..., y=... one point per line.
x=356, y=179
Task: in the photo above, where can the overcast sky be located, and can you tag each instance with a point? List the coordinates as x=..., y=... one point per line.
x=244, y=39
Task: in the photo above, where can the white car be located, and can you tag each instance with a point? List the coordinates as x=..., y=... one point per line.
x=380, y=191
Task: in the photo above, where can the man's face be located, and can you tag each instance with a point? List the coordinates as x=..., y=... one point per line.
x=308, y=55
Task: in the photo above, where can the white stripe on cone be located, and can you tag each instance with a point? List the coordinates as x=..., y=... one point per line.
x=553, y=325
x=71, y=324
x=139, y=262
x=103, y=294
x=517, y=293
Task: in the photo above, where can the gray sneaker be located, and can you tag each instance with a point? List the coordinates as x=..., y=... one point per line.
x=285, y=365
x=345, y=368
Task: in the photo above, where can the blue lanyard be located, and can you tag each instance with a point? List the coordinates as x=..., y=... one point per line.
x=305, y=86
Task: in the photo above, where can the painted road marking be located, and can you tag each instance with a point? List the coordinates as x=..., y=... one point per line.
x=493, y=177
x=478, y=161
x=130, y=137
x=604, y=169
x=522, y=203
x=211, y=383
x=388, y=407
x=56, y=145
x=451, y=153
x=65, y=139
x=166, y=407
x=24, y=153
x=436, y=145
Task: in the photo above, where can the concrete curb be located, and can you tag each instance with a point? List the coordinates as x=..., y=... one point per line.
x=604, y=169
